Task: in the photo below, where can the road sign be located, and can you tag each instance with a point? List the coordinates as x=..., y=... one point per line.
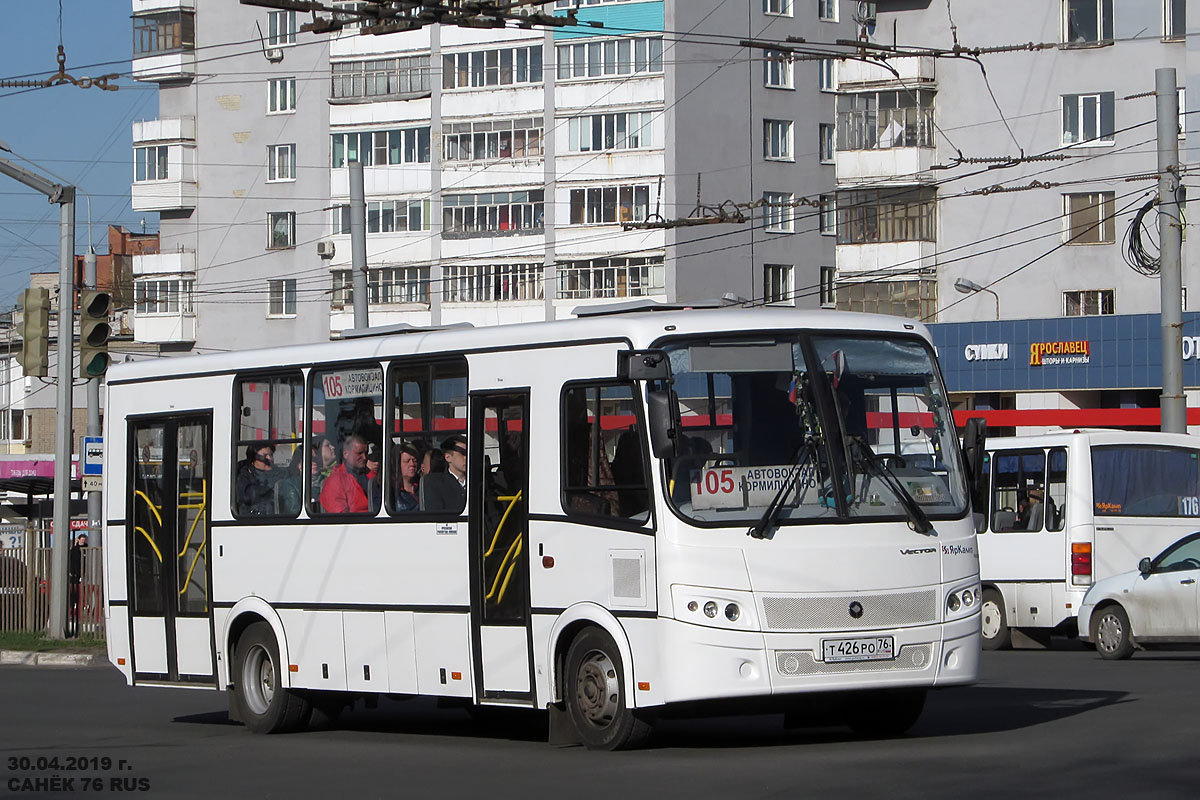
x=93, y=456
x=93, y=483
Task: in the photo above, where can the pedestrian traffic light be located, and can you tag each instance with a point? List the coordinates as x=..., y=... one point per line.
x=35, y=332
x=94, y=331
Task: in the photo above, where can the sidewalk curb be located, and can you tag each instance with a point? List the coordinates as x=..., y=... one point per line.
x=19, y=657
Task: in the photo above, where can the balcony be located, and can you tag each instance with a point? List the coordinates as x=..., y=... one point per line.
x=180, y=263
x=164, y=328
x=918, y=70
x=176, y=129
x=164, y=157
x=163, y=304
x=164, y=41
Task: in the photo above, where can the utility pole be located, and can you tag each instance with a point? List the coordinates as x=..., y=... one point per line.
x=93, y=405
x=1173, y=402
x=358, y=244
x=64, y=196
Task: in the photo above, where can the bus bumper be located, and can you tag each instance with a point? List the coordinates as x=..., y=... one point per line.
x=709, y=663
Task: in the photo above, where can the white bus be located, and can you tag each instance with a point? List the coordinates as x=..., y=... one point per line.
x=663, y=510
x=1109, y=498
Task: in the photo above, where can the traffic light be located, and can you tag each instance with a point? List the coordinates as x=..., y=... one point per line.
x=94, y=331
x=35, y=332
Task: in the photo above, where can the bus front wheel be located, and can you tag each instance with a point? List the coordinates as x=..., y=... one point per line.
x=596, y=697
x=996, y=635
x=264, y=705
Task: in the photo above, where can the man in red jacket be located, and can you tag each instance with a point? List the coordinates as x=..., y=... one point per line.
x=346, y=489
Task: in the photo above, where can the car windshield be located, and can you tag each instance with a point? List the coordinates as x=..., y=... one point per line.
x=853, y=426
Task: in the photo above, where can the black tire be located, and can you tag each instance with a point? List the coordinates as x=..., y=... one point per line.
x=264, y=705
x=885, y=714
x=1111, y=633
x=996, y=633
x=596, y=696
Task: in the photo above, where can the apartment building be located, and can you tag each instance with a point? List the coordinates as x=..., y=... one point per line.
x=236, y=166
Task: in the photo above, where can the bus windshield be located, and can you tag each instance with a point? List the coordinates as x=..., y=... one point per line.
x=812, y=428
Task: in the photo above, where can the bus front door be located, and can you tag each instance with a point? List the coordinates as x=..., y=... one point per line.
x=498, y=487
x=167, y=536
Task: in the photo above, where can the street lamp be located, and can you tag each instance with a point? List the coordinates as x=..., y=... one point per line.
x=971, y=287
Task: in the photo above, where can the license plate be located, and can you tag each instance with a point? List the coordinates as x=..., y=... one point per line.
x=868, y=648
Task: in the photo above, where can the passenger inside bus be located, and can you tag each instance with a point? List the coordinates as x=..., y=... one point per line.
x=404, y=478
x=348, y=490
x=257, y=480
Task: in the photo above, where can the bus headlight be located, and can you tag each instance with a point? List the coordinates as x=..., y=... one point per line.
x=962, y=601
x=710, y=609
x=715, y=608
x=732, y=612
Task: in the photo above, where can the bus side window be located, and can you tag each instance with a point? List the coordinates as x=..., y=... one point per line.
x=604, y=460
x=268, y=457
x=347, y=405
x=1056, y=490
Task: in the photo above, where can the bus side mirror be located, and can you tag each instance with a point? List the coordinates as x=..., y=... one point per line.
x=1144, y=566
x=643, y=365
x=662, y=409
x=974, y=451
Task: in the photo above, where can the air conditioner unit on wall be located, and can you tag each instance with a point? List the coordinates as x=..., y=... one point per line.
x=325, y=249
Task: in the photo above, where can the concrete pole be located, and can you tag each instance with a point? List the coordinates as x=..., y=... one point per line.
x=358, y=243
x=1173, y=402
x=62, y=432
x=93, y=408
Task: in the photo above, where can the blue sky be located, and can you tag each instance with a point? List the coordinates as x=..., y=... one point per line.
x=83, y=135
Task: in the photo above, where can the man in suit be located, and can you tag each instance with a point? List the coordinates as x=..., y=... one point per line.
x=447, y=491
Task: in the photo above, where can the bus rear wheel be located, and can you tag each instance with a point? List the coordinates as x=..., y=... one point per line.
x=265, y=706
x=596, y=697
x=996, y=634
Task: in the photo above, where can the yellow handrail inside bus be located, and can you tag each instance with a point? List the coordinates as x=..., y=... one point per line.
x=514, y=550
x=188, y=579
x=512, y=501
x=199, y=516
x=157, y=552
x=508, y=575
x=139, y=493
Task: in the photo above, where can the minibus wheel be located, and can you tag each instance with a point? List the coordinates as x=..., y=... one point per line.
x=264, y=705
x=996, y=635
x=596, y=697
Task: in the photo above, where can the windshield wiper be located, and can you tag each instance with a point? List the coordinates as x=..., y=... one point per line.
x=766, y=522
x=916, y=514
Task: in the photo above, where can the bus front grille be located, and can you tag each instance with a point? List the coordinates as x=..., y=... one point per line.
x=834, y=613
x=791, y=663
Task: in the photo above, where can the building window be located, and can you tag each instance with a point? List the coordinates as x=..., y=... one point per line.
x=492, y=140
x=281, y=95
x=1088, y=303
x=778, y=69
x=828, y=298
x=777, y=139
x=613, y=56
x=827, y=10
x=385, y=216
x=163, y=33
x=606, y=205
x=150, y=163
x=1175, y=20
x=878, y=120
x=494, y=213
x=777, y=284
x=508, y=66
x=1088, y=118
x=165, y=296
x=1087, y=21
x=391, y=285
x=611, y=277
x=281, y=28
x=281, y=229
x=778, y=212
x=380, y=77
x=827, y=77
x=1090, y=218
x=492, y=283
x=281, y=162
x=828, y=215
x=886, y=215
x=778, y=7
x=825, y=144
x=281, y=297
x=916, y=299
x=627, y=130
x=16, y=430
x=381, y=148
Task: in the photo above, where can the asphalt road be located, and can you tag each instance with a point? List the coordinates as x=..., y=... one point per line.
x=1061, y=723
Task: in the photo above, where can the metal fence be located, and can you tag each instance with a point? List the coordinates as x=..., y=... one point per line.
x=26, y=585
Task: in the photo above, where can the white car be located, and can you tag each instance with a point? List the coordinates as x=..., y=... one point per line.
x=1159, y=602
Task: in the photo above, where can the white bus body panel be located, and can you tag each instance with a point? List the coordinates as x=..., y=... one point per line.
x=401, y=651
x=193, y=646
